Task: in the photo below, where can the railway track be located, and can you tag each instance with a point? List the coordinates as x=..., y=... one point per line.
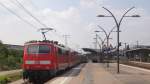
x=60, y=79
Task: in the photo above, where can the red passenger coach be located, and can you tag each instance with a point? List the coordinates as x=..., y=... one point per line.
x=43, y=59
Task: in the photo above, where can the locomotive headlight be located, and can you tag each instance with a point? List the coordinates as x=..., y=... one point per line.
x=45, y=62
x=29, y=62
x=37, y=62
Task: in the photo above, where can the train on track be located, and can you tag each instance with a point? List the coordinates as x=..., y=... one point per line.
x=43, y=59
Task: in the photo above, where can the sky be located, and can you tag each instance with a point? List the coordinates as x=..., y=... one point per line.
x=76, y=18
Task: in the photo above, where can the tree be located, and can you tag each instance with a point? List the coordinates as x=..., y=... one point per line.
x=9, y=58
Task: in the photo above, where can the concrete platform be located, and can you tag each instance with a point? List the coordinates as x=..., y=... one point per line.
x=98, y=73
x=94, y=73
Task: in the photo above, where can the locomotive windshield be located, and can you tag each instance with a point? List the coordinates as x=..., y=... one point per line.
x=38, y=49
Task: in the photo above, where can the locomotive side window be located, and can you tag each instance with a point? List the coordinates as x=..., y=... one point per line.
x=59, y=51
x=63, y=51
x=38, y=49
x=67, y=52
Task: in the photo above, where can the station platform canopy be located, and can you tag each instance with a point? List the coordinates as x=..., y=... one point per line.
x=91, y=50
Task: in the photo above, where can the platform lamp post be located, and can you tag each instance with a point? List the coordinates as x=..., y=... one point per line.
x=107, y=39
x=118, y=29
x=102, y=42
x=125, y=45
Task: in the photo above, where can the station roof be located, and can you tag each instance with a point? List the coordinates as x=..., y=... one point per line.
x=91, y=50
x=138, y=49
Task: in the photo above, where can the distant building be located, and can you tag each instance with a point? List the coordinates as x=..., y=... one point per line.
x=139, y=53
x=139, y=46
x=15, y=47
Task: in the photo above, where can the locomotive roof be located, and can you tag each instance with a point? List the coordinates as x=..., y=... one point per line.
x=55, y=43
x=63, y=47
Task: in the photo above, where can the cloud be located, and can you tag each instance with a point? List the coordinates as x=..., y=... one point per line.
x=87, y=3
x=67, y=21
x=91, y=3
x=70, y=21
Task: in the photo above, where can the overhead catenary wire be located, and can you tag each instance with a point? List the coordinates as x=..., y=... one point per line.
x=21, y=6
x=11, y=11
x=28, y=12
x=35, y=18
x=33, y=5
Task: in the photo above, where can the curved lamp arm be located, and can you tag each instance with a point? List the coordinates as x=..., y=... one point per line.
x=103, y=30
x=124, y=15
x=112, y=16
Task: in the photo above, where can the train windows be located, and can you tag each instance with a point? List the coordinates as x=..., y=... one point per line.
x=38, y=49
x=62, y=52
x=44, y=49
x=67, y=52
x=59, y=51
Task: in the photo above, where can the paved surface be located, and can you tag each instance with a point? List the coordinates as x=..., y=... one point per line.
x=98, y=73
x=18, y=82
x=130, y=75
x=91, y=73
x=9, y=72
x=67, y=77
x=94, y=73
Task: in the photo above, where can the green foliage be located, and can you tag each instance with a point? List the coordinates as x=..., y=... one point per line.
x=10, y=77
x=14, y=76
x=3, y=80
x=10, y=59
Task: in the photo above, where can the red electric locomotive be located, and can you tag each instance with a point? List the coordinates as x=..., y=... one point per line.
x=43, y=59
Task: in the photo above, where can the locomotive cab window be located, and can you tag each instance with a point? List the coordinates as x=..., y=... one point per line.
x=61, y=52
x=67, y=52
x=38, y=49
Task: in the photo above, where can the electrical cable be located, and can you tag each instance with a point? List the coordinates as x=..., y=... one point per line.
x=28, y=12
x=11, y=11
